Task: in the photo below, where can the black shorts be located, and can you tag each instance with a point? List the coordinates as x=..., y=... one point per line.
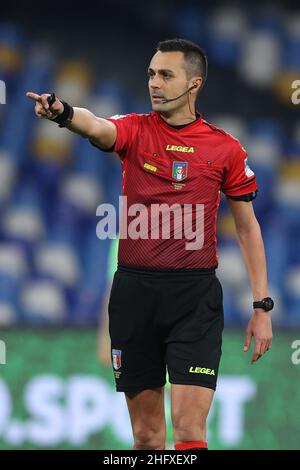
x=165, y=319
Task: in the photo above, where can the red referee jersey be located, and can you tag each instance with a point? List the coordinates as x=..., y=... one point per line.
x=187, y=167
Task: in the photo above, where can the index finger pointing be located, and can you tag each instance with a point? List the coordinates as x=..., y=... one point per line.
x=33, y=96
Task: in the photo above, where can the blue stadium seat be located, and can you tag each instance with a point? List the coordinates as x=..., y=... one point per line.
x=191, y=21
x=86, y=307
x=292, y=292
x=110, y=98
x=17, y=129
x=43, y=302
x=290, y=58
x=23, y=226
x=13, y=270
x=227, y=26
x=11, y=45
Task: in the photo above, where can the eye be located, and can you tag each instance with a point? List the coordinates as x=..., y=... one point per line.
x=166, y=75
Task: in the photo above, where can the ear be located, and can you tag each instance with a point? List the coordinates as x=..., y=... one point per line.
x=195, y=85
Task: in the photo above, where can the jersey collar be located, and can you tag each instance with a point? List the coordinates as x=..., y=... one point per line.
x=179, y=127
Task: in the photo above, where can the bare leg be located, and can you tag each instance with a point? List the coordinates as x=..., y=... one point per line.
x=103, y=340
x=190, y=407
x=147, y=415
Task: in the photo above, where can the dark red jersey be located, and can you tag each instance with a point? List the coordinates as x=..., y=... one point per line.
x=182, y=168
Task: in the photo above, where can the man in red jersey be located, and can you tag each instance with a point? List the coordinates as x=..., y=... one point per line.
x=166, y=301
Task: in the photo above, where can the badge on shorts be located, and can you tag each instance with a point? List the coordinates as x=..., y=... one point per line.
x=179, y=171
x=116, y=356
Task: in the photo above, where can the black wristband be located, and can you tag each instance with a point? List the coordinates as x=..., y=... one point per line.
x=65, y=118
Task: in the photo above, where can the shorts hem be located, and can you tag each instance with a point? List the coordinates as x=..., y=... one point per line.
x=181, y=382
x=139, y=388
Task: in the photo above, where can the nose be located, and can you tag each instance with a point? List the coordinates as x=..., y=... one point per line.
x=155, y=82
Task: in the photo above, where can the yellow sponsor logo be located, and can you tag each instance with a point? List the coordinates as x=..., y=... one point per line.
x=179, y=148
x=201, y=370
x=150, y=167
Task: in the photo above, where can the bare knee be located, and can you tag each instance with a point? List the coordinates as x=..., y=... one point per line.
x=149, y=438
x=187, y=428
x=147, y=417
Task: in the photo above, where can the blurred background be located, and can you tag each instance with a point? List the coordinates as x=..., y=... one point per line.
x=55, y=273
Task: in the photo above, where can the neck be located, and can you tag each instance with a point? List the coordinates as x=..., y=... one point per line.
x=178, y=117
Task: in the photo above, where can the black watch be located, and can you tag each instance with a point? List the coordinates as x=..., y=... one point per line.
x=266, y=304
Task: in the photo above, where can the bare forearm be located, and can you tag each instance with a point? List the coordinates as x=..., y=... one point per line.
x=83, y=122
x=99, y=130
x=252, y=248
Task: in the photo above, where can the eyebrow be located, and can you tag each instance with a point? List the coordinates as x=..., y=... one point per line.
x=161, y=70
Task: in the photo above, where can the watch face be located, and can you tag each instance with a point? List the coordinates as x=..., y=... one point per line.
x=268, y=303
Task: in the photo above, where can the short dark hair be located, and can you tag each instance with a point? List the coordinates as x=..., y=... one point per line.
x=194, y=56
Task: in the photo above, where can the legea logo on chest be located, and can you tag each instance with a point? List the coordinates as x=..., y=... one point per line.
x=179, y=148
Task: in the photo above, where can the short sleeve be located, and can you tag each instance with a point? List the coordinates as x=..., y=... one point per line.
x=239, y=179
x=127, y=129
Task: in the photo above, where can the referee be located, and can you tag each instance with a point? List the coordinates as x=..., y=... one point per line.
x=165, y=307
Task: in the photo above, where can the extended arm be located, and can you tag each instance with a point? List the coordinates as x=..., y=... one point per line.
x=252, y=248
x=100, y=131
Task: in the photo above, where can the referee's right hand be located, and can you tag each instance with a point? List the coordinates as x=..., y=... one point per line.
x=42, y=109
